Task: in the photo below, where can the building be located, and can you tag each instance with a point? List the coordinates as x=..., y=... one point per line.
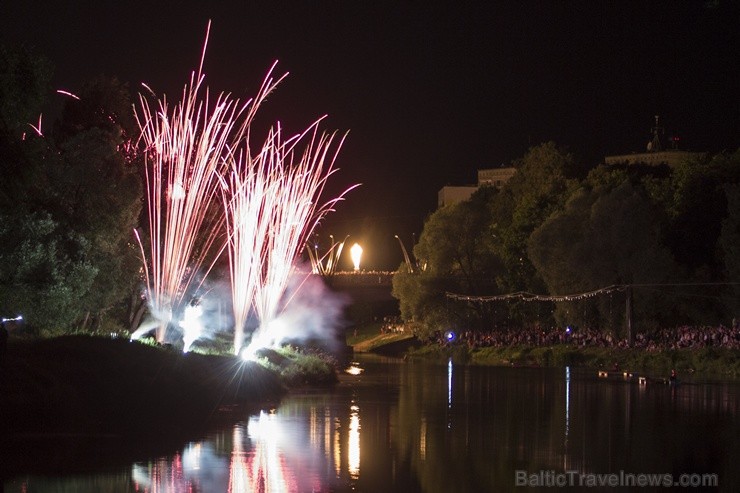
x=656, y=153
x=495, y=177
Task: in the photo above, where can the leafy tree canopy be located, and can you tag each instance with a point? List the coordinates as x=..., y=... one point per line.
x=66, y=251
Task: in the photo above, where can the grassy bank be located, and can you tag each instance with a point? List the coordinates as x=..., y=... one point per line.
x=96, y=386
x=710, y=362
x=369, y=338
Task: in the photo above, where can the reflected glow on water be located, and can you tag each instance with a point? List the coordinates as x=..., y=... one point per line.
x=337, y=455
x=567, y=403
x=238, y=469
x=449, y=383
x=389, y=430
x=288, y=450
x=354, y=442
x=423, y=438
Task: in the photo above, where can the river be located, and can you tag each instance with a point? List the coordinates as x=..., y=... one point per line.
x=418, y=427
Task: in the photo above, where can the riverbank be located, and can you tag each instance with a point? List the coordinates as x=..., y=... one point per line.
x=706, y=362
x=89, y=386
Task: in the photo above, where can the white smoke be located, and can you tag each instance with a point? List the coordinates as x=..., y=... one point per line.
x=312, y=313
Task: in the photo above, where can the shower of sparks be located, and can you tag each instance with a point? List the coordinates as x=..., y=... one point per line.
x=67, y=93
x=184, y=149
x=325, y=265
x=199, y=152
x=37, y=128
x=191, y=325
x=272, y=208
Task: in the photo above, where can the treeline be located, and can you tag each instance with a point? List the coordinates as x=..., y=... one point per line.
x=671, y=232
x=70, y=196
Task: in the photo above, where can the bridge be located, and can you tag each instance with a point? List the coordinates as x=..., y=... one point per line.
x=345, y=279
x=371, y=289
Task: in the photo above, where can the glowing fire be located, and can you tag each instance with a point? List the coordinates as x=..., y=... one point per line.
x=356, y=253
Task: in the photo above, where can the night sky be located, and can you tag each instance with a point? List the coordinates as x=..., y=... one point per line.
x=429, y=93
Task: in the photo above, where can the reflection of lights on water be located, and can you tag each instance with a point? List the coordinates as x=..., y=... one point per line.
x=267, y=465
x=164, y=474
x=140, y=476
x=449, y=382
x=313, y=427
x=449, y=392
x=191, y=456
x=567, y=402
x=354, y=442
x=354, y=369
x=356, y=254
x=327, y=434
x=337, y=448
x=238, y=470
x=271, y=452
x=423, y=438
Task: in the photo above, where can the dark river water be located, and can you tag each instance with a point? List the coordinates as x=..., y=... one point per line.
x=417, y=427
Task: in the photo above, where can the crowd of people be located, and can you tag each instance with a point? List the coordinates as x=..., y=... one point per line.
x=676, y=338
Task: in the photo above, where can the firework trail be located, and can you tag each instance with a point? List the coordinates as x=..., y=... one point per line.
x=326, y=264
x=184, y=148
x=198, y=154
x=272, y=209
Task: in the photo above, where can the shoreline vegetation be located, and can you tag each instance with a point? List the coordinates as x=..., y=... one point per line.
x=107, y=401
x=710, y=362
x=95, y=386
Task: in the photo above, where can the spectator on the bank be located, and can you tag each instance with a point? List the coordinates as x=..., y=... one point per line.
x=676, y=338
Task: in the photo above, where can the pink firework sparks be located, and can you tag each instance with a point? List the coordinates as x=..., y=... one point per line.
x=272, y=208
x=185, y=147
x=67, y=93
x=271, y=199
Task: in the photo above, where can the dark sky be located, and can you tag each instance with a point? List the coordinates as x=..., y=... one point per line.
x=429, y=93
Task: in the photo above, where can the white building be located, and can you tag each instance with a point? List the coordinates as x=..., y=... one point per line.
x=495, y=177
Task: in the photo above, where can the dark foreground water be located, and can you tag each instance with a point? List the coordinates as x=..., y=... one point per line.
x=417, y=427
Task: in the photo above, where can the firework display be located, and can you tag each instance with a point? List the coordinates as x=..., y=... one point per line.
x=199, y=156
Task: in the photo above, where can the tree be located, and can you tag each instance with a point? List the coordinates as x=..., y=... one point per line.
x=456, y=246
x=99, y=190
x=539, y=188
x=730, y=246
x=69, y=205
x=697, y=204
x=105, y=104
x=24, y=83
x=43, y=271
x=99, y=198
x=606, y=235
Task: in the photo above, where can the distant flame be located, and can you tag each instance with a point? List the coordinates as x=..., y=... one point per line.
x=356, y=253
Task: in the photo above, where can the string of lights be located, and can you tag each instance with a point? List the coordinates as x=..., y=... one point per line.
x=525, y=296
